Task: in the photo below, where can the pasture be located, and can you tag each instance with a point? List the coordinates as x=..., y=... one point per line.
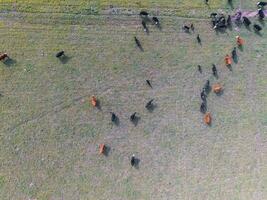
x=49, y=132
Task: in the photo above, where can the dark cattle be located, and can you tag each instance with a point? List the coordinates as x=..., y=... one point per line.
x=207, y=87
x=203, y=107
x=60, y=54
x=229, y=20
x=133, y=160
x=192, y=27
x=203, y=95
x=234, y=55
x=155, y=20
x=199, y=68
x=246, y=21
x=138, y=43
x=206, y=1
x=144, y=26
x=113, y=117
x=212, y=15
x=3, y=56
x=214, y=70
x=143, y=13
x=261, y=14
x=186, y=28
x=257, y=27
x=198, y=39
x=149, y=104
x=261, y=4
x=133, y=117
x=148, y=83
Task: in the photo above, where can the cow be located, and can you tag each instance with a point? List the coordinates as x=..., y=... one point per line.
x=155, y=20
x=261, y=14
x=143, y=14
x=3, y=56
x=229, y=21
x=144, y=26
x=207, y=119
x=203, y=95
x=257, y=27
x=133, y=117
x=138, y=43
x=148, y=83
x=198, y=39
x=261, y=4
x=60, y=54
x=133, y=160
x=213, y=15
x=149, y=104
x=199, y=69
x=203, y=108
x=207, y=87
x=234, y=54
x=102, y=148
x=186, y=28
x=113, y=117
x=239, y=41
x=227, y=60
x=246, y=21
x=214, y=70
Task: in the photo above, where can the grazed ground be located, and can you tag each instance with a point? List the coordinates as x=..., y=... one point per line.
x=49, y=134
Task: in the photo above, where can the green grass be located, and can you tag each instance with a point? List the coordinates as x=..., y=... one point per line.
x=49, y=133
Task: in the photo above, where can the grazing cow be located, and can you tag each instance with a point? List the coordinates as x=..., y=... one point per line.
x=217, y=88
x=239, y=41
x=138, y=43
x=234, y=55
x=214, y=70
x=228, y=60
x=207, y=118
x=113, y=117
x=149, y=104
x=229, y=20
x=133, y=160
x=143, y=14
x=261, y=4
x=261, y=14
x=203, y=108
x=133, y=117
x=246, y=21
x=199, y=69
x=186, y=28
x=198, y=39
x=94, y=101
x=203, y=95
x=144, y=26
x=3, y=56
x=207, y=87
x=60, y=54
x=192, y=27
x=257, y=27
x=155, y=20
x=148, y=83
x=102, y=149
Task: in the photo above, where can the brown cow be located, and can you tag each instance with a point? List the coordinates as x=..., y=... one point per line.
x=3, y=56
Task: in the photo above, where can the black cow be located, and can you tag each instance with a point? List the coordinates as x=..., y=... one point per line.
x=149, y=104
x=229, y=20
x=234, y=55
x=148, y=83
x=192, y=27
x=144, y=26
x=198, y=39
x=143, y=14
x=203, y=107
x=207, y=87
x=214, y=70
x=186, y=28
x=155, y=20
x=133, y=117
x=113, y=117
x=60, y=54
x=212, y=15
x=246, y=21
x=261, y=4
x=203, y=95
x=199, y=69
x=133, y=160
x=257, y=27
x=261, y=14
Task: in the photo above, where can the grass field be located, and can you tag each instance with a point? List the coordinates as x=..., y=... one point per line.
x=49, y=133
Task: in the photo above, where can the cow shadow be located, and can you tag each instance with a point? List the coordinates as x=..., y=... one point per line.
x=135, y=121
x=9, y=62
x=241, y=47
x=262, y=22
x=220, y=93
x=248, y=28
x=98, y=105
x=64, y=59
x=116, y=121
x=235, y=59
x=136, y=163
x=229, y=67
x=152, y=107
x=258, y=33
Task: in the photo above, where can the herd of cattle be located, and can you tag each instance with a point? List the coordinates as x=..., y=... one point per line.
x=219, y=22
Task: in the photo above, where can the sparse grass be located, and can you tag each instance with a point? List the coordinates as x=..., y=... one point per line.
x=49, y=134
